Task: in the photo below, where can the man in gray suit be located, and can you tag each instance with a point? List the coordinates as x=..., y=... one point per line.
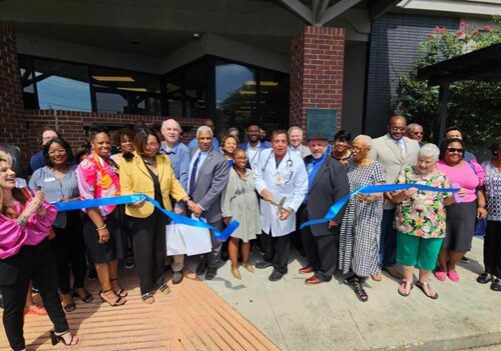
x=395, y=151
x=208, y=175
x=327, y=183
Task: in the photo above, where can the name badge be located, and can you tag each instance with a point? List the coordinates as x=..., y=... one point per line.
x=278, y=179
x=49, y=179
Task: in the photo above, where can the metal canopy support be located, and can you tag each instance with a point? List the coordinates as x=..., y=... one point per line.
x=337, y=9
x=299, y=9
x=443, y=97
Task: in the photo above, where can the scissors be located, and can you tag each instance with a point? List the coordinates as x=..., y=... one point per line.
x=280, y=205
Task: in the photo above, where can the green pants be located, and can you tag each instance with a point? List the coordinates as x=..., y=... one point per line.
x=414, y=251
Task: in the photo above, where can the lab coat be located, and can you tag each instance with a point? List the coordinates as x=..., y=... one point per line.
x=289, y=180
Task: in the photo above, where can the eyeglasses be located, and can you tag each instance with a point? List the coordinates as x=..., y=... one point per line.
x=358, y=149
x=420, y=133
x=453, y=149
x=152, y=144
x=397, y=129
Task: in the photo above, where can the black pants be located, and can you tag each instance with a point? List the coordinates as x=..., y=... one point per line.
x=276, y=250
x=321, y=251
x=35, y=262
x=213, y=258
x=148, y=241
x=492, y=248
x=69, y=249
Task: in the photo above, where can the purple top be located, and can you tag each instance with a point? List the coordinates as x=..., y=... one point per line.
x=13, y=236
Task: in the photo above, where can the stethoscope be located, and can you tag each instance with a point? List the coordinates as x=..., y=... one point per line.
x=289, y=164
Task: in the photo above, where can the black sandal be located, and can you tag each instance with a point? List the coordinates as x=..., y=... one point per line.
x=122, y=292
x=56, y=338
x=87, y=298
x=404, y=282
x=119, y=302
x=359, y=290
x=70, y=307
x=422, y=286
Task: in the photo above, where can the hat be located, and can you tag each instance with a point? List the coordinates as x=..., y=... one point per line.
x=317, y=136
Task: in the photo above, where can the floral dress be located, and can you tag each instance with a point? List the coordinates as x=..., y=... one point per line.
x=423, y=214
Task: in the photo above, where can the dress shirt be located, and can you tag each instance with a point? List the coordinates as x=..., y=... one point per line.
x=179, y=156
x=253, y=153
x=203, y=157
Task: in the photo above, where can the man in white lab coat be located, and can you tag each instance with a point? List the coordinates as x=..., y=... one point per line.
x=282, y=182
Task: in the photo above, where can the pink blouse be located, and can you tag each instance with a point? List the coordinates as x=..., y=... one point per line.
x=13, y=236
x=465, y=175
x=96, y=179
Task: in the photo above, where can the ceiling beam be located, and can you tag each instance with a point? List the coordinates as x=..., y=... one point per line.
x=337, y=9
x=299, y=9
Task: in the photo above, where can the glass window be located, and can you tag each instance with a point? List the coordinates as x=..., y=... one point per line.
x=28, y=82
x=273, y=110
x=236, y=95
x=126, y=92
x=62, y=86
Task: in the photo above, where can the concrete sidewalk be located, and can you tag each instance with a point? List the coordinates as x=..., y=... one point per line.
x=330, y=317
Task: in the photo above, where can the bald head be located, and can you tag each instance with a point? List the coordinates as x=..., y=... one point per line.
x=415, y=132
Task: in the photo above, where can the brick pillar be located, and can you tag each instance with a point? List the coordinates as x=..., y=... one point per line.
x=11, y=96
x=316, y=79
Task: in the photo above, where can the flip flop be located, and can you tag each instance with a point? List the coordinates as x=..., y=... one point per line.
x=404, y=282
x=423, y=286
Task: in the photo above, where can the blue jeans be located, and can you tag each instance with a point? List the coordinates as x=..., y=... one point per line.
x=388, y=244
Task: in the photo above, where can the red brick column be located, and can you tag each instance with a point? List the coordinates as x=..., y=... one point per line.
x=11, y=97
x=316, y=79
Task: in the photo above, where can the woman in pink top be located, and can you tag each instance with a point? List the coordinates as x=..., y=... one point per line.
x=25, y=253
x=468, y=176
x=97, y=178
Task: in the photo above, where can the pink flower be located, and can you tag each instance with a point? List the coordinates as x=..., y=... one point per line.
x=459, y=33
x=464, y=24
x=443, y=30
x=487, y=27
x=437, y=29
x=475, y=32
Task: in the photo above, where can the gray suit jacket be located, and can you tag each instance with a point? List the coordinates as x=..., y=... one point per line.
x=385, y=150
x=329, y=185
x=211, y=181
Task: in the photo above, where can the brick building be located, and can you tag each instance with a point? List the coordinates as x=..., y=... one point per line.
x=72, y=64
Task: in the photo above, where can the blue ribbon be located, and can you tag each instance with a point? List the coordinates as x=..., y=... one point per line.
x=371, y=189
x=127, y=199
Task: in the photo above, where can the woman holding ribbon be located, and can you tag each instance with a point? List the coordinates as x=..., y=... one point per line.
x=98, y=180
x=240, y=202
x=420, y=220
x=149, y=172
x=468, y=176
x=361, y=225
x=58, y=181
x=25, y=253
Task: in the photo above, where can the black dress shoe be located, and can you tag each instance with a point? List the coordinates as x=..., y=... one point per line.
x=263, y=264
x=484, y=278
x=275, y=276
x=496, y=285
x=177, y=277
x=201, y=268
x=211, y=273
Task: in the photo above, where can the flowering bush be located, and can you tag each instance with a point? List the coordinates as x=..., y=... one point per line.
x=473, y=105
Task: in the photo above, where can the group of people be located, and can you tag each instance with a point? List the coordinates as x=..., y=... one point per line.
x=269, y=187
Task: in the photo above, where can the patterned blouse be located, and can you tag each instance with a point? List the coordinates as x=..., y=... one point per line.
x=423, y=214
x=492, y=191
x=96, y=179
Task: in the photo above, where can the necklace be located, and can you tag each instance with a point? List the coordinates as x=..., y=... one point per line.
x=152, y=162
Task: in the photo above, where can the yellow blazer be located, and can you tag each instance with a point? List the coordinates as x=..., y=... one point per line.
x=135, y=179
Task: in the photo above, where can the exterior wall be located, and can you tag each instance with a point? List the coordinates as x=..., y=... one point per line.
x=316, y=79
x=11, y=98
x=393, y=48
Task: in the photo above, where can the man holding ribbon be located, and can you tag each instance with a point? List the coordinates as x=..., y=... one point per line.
x=327, y=183
x=208, y=175
x=394, y=151
x=282, y=181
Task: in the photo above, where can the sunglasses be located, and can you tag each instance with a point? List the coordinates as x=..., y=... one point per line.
x=452, y=149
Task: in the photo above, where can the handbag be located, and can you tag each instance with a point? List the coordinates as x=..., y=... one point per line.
x=183, y=239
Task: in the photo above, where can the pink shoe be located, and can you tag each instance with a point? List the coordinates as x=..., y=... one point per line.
x=440, y=275
x=453, y=275
x=36, y=310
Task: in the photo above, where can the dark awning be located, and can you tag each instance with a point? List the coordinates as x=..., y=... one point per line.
x=481, y=65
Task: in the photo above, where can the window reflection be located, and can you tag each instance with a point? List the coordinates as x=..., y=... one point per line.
x=28, y=82
x=62, y=86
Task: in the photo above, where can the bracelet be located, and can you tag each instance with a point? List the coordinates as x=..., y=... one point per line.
x=22, y=220
x=101, y=228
